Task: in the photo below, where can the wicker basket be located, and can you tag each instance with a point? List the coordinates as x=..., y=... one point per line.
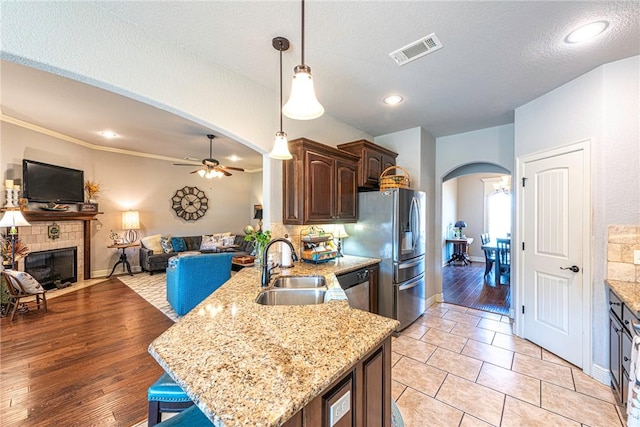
x=394, y=181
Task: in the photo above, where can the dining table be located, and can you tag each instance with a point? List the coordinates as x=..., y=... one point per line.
x=492, y=246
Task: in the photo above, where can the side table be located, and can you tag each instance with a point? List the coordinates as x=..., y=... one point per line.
x=123, y=257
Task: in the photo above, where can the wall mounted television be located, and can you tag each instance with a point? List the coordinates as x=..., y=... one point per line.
x=50, y=183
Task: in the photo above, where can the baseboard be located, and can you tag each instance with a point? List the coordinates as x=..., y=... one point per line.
x=432, y=300
x=105, y=273
x=601, y=374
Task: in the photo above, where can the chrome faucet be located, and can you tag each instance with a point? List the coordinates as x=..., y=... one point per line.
x=266, y=269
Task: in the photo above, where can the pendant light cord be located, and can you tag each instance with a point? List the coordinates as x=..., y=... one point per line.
x=280, y=85
x=302, y=32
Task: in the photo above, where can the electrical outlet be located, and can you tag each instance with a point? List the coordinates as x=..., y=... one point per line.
x=636, y=256
x=98, y=227
x=340, y=408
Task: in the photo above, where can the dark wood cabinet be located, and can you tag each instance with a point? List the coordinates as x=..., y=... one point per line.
x=621, y=321
x=374, y=159
x=374, y=273
x=368, y=385
x=319, y=185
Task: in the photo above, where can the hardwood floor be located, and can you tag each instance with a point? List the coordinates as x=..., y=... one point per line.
x=467, y=286
x=84, y=363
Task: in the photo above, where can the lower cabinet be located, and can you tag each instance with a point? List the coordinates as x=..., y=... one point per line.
x=360, y=398
x=621, y=321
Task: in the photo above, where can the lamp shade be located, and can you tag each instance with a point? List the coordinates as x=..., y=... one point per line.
x=302, y=103
x=280, y=147
x=13, y=218
x=130, y=220
x=460, y=224
x=339, y=232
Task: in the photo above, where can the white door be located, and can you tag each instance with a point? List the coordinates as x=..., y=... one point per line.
x=554, y=202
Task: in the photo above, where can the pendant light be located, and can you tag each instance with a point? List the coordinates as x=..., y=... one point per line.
x=281, y=144
x=302, y=103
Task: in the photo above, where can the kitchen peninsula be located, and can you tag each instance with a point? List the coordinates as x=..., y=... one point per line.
x=248, y=364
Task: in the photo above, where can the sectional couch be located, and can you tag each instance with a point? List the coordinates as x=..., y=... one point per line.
x=153, y=258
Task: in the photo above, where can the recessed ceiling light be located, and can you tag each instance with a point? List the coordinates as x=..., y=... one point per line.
x=109, y=134
x=234, y=158
x=393, y=100
x=586, y=32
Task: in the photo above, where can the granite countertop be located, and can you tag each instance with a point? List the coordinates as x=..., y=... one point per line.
x=628, y=292
x=245, y=364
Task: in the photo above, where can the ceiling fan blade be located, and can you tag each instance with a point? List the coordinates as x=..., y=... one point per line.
x=196, y=171
x=232, y=168
x=183, y=164
x=220, y=169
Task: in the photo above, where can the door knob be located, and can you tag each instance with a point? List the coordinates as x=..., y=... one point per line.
x=573, y=268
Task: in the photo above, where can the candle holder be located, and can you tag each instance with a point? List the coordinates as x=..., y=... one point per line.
x=9, y=203
x=16, y=198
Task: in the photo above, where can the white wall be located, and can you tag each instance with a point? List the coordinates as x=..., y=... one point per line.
x=83, y=42
x=449, y=213
x=602, y=106
x=131, y=182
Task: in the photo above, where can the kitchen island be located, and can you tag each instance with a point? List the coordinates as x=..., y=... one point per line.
x=248, y=364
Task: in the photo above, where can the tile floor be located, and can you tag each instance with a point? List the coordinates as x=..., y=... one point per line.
x=457, y=366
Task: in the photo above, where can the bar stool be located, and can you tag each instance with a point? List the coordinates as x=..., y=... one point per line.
x=166, y=396
x=190, y=417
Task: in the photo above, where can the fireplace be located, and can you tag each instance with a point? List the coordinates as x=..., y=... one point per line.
x=53, y=268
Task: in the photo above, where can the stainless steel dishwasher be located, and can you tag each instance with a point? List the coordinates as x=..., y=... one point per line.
x=356, y=286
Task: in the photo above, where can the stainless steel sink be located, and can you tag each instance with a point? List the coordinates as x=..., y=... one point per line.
x=287, y=296
x=300, y=282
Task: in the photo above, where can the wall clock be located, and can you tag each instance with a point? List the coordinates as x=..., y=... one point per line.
x=190, y=203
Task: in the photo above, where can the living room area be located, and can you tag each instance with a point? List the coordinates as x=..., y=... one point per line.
x=129, y=182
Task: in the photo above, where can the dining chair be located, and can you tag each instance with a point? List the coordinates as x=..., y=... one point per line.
x=503, y=258
x=489, y=254
x=21, y=285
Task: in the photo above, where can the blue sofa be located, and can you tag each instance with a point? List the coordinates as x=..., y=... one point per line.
x=192, y=278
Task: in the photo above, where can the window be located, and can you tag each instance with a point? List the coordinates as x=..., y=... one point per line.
x=497, y=208
x=498, y=213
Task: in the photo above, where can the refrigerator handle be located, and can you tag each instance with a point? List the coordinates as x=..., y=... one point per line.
x=409, y=264
x=415, y=221
x=411, y=284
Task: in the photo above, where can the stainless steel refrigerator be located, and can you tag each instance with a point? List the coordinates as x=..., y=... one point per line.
x=391, y=226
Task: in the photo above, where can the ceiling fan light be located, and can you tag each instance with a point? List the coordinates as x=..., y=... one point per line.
x=202, y=172
x=302, y=103
x=280, y=147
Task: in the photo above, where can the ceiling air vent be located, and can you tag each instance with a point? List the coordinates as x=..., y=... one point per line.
x=417, y=49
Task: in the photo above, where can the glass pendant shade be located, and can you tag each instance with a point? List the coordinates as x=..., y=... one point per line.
x=302, y=103
x=202, y=172
x=280, y=147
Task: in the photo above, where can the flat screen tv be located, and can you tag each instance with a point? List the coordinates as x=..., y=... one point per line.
x=50, y=183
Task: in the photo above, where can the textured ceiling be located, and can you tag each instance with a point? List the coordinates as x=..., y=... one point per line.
x=496, y=57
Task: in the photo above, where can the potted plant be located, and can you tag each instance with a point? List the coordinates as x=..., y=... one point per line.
x=259, y=239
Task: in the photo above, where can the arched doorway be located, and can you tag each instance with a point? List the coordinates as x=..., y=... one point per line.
x=477, y=196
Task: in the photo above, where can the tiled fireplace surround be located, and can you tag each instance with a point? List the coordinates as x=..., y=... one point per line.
x=71, y=235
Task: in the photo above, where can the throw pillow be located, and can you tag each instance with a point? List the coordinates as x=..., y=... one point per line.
x=178, y=244
x=165, y=242
x=28, y=283
x=209, y=243
x=228, y=240
x=152, y=243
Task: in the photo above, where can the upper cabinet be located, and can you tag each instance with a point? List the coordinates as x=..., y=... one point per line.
x=319, y=185
x=374, y=159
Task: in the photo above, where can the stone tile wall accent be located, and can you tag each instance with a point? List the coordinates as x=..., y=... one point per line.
x=623, y=240
x=71, y=235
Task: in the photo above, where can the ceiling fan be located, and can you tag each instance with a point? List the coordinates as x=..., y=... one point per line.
x=211, y=167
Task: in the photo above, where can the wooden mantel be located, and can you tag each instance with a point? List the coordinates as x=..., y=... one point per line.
x=85, y=217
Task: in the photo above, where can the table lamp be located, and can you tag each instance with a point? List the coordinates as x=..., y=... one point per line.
x=13, y=218
x=131, y=223
x=460, y=225
x=258, y=216
x=340, y=233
